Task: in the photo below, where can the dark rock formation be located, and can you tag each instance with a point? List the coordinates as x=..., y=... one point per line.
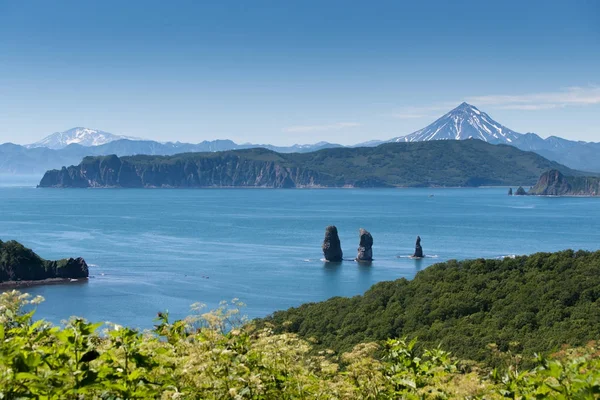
x=520, y=191
x=365, y=251
x=18, y=263
x=332, y=249
x=418, y=249
x=510, y=193
x=553, y=183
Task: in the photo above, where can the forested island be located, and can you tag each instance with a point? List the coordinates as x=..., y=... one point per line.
x=492, y=315
x=449, y=163
x=21, y=266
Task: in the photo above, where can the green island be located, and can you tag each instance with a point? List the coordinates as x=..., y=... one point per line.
x=445, y=163
x=521, y=328
x=20, y=266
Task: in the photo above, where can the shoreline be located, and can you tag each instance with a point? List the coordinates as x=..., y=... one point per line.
x=49, y=281
x=275, y=188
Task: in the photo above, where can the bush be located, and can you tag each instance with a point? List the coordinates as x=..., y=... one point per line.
x=216, y=355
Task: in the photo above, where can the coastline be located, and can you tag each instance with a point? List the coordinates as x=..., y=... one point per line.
x=49, y=281
x=275, y=188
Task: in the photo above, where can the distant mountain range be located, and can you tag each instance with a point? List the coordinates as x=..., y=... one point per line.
x=33, y=159
x=463, y=122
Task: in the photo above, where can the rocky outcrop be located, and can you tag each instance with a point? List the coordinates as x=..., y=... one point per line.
x=365, y=251
x=554, y=183
x=520, y=191
x=18, y=263
x=418, y=249
x=332, y=249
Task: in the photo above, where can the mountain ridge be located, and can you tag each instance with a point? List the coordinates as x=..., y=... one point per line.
x=467, y=163
x=463, y=122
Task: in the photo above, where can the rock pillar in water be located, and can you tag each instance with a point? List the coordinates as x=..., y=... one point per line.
x=365, y=251
x=418, y=249
x=520, y=191
x=332, y=249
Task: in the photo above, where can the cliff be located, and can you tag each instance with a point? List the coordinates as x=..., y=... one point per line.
x=554, y=183
x=439, y=163
x=18, y=263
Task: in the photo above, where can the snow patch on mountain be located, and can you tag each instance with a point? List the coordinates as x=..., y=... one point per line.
x=463, y=122
x=82, y=136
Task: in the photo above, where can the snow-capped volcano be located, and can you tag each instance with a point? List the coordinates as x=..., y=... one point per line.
x=464, y=122
x=82, y=136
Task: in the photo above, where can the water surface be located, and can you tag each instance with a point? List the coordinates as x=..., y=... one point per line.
x=152, y=250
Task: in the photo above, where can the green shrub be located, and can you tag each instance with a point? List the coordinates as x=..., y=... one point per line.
x=216, y=355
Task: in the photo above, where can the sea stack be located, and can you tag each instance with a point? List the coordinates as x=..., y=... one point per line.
x=365, y=247
x=418, y=249
x=332, y=248
x=520, y=191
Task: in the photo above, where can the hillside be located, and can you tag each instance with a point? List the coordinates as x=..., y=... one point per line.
x=541, y=301
x=18, y=263
x=553, y=183
x=440, y=163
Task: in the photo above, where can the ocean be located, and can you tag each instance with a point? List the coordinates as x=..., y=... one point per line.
x=164, y=249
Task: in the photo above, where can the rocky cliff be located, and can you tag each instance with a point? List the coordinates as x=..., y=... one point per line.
x=441, y=163
x=226, y=169
x=18, y=263
x=554, y=183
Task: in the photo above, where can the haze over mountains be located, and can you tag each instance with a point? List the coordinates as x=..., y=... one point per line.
x=462, y=123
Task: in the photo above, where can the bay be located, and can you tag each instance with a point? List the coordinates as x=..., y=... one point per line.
x=164, y=249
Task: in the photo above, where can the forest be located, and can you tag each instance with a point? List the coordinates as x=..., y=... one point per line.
x=541, y=301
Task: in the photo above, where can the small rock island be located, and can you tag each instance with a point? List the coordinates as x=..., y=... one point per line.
x=365, y=247
x=332, y=248
x=418, y=249
x=21, y=266
x=520, y=191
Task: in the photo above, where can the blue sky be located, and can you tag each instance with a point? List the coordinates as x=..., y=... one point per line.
x=285, y=72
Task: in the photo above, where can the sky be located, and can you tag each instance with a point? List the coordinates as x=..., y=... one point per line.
x=285, y=72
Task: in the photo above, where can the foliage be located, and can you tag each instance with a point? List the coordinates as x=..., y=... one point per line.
x=542, y=301
x=436, y=163
x=209, y=356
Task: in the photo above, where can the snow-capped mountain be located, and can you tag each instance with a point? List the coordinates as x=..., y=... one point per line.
x=463, y=122
x=82, y=136
x=468, y=122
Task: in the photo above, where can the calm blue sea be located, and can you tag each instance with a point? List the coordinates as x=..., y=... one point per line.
x=152, y=250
